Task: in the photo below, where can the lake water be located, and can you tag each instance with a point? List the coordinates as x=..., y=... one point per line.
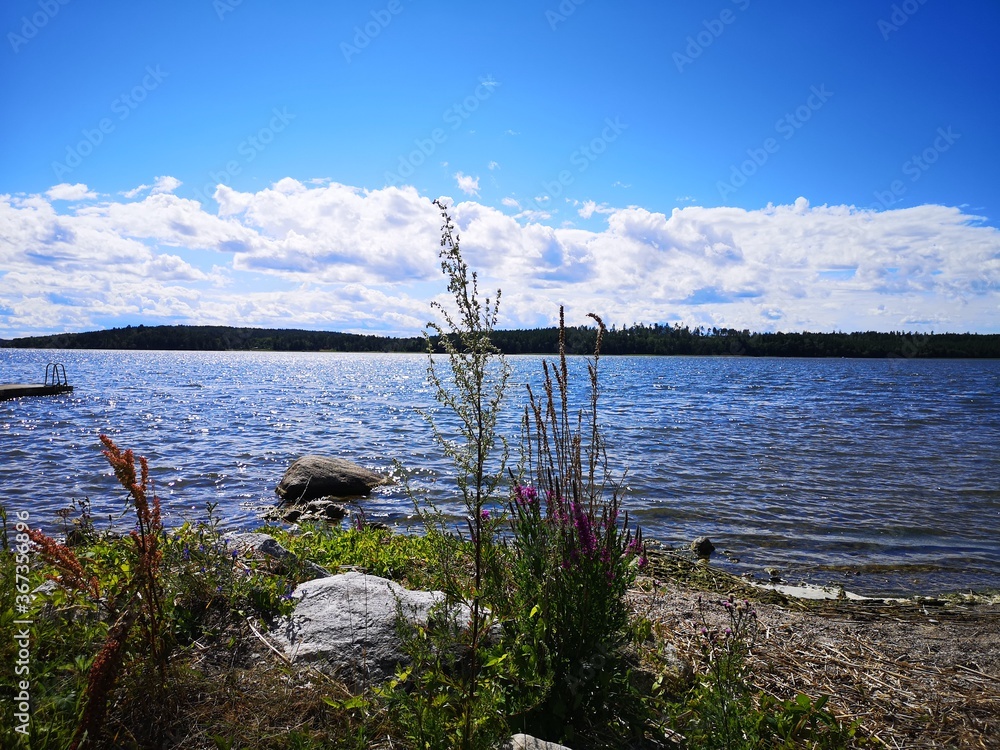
x=883, y=475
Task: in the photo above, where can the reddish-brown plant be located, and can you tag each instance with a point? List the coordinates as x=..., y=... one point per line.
x=146, y=536
x=101, y=681
x=62, y=558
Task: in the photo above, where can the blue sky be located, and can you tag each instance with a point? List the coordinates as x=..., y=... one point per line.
x=771, y=166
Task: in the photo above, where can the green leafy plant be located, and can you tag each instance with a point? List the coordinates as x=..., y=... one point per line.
x=724, y=710
x=723, y=715
x=803, y=722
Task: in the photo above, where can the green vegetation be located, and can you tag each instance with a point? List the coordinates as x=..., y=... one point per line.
x=209, y=682
x=635, y=339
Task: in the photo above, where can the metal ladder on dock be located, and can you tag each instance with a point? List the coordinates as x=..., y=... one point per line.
x=55, y=374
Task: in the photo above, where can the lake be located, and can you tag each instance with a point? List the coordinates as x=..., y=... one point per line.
x=881, y=474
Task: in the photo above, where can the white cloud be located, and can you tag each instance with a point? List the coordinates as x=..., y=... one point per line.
x=164, y=184
x=468, y=185
x=493, y=165
x=337, y=257
x=589, y=208
x=66, y=192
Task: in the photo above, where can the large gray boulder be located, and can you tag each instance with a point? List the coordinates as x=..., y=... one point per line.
x=313, y=477
x=347, y=625
x=527, y=742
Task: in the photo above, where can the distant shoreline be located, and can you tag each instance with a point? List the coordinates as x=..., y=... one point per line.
x=634, y=340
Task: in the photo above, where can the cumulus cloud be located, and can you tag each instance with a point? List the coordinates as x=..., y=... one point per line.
x=586, y=209
x=327, y=255
x=66, y=192
x=165, y=184
x=468, y=185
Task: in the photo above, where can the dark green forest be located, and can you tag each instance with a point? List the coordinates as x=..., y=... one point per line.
x=636, y=339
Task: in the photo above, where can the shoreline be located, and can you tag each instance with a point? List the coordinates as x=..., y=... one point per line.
x=909, y=673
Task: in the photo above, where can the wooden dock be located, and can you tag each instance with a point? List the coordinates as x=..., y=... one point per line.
x=55, y=383
x=17, y=390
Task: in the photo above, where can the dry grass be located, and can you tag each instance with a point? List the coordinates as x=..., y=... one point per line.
x=913, y=674
x=232, y=690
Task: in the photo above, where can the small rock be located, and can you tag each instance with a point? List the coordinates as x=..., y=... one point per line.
x=321, y=509
x=703, y=547
x=254, y=541
x=267, y=545
x=326, y=508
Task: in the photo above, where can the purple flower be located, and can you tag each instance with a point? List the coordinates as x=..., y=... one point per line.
x=584, y=529
x=525, y=495
x=484, y=514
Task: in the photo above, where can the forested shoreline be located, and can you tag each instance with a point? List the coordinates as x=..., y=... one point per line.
x=631, y=340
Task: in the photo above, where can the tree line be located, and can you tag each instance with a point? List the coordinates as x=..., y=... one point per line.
x=639, y=339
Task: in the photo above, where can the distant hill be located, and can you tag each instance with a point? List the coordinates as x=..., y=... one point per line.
x=219, y=338
x=637, y=339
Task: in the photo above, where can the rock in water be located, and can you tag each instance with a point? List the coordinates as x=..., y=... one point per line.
x=702, y=547
x=313, y=477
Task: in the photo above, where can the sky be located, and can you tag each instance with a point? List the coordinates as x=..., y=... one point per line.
x=772, y=166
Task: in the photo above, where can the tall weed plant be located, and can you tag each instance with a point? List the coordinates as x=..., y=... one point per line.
x=574, y=558
x=450, y=706
x=136, y=602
